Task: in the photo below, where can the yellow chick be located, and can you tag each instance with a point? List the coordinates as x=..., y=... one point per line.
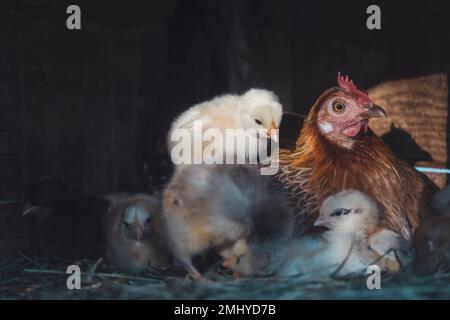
x=256, y=109
x=352, y=242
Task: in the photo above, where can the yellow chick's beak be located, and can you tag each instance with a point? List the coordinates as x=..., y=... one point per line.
x=272, y=133
x=320, y=222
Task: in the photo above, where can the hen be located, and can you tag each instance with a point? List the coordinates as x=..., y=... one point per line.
x=336, y=150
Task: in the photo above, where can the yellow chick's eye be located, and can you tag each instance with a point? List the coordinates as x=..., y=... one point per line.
x=338, y=107
x=258, y=122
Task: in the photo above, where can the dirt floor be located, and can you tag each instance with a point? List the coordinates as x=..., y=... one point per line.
x=24, y=278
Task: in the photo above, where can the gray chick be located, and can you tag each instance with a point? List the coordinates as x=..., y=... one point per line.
x=441, y=201
x=269, y=241
x=209, y=207
x=134, y=237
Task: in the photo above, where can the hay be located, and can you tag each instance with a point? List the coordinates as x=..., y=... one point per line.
x=22, y=277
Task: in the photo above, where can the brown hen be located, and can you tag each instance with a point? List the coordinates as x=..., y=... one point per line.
x=336, y=151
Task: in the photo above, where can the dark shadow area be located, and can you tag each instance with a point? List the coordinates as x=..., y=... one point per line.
x=94, y=105
x=404, y=146
x=290, y=128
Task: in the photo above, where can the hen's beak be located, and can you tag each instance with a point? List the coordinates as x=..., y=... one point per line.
x=273, y=132
x=373, y=111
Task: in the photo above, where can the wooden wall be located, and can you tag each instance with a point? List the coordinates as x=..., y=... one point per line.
x=94, y=105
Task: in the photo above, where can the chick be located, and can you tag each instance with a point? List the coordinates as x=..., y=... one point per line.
x=256, y=109
x=208, y=207
x=14, y=229
x=65, y=222
x=46, y=192
x=441, y=201
x=133, y=233
x=432, y=242
x=267, y=246
x=354, y=240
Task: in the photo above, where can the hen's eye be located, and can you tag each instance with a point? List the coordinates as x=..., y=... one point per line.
x=258, y=122
x=338, y=107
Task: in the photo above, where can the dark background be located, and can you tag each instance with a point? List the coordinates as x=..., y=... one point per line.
x=94, y=105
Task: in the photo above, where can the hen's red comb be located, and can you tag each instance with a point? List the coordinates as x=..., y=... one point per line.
x=348, y=86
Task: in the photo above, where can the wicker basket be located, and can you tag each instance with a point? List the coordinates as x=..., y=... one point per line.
x=417, y=124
